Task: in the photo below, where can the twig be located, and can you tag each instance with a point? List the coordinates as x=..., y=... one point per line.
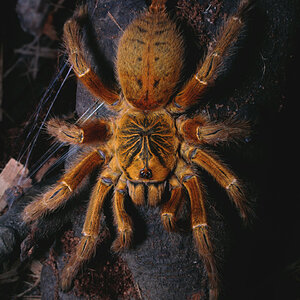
x=43, y=52
x=36, y=269
x=136, y=285
x=36, y=283
x=36, y=51
x=35, y=61
x=8, y=71
x=264, y=65
x=58, y=5
x=115, y=21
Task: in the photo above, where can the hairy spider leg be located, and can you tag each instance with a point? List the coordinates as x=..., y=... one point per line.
x=122, y=220
x=199, y=224
x=136, y=192
x=58, y=194
x=75, y=46
x=91, y=228
x=157, y=6
x=214, y=62
x=200, y=130
x=170, y=208
x=223, y=175
x=91, y=132
x=155, y=193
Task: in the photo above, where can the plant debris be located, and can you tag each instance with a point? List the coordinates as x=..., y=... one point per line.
x=106, y=277
x=13, y=181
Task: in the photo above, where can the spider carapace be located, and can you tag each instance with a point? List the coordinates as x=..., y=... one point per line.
x=149, y=145
x=146, y=146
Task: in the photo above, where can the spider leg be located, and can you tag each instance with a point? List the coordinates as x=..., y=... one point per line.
x=157, y=6
x=223, y=175
x=91, y=228
x=58, y=194
x=199, y=224
x=214, y=62
x=200, y=130
x=136, y=192
x=170, y=208
x=91, y=132
x=122, y=219
x=75, y=46
x=155, y=192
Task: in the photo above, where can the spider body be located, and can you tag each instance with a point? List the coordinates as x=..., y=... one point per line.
x=150, y=145
x=149, y=61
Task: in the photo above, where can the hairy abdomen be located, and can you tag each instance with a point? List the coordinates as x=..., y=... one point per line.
x=149, y=60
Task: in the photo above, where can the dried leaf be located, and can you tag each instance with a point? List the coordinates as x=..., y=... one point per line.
x=14, y=174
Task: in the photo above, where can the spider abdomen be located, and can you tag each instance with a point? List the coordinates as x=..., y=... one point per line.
x=146, y=146
x=149, y=60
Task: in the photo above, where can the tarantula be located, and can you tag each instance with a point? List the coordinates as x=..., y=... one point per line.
x=149, y=145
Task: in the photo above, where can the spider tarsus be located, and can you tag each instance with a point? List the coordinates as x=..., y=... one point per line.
x=213, y=294
x=236, y=193
x=67, y=277
x=247, y=215
x=168, y=221
x=33, y=212
x=64, y=132
x=157, y=6
x=81, y=12
x=84, y=251
x=205, y=250
x=123, y=241
x=245, y=8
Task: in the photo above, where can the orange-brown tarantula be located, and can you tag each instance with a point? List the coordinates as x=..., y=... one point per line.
x=149, y=145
